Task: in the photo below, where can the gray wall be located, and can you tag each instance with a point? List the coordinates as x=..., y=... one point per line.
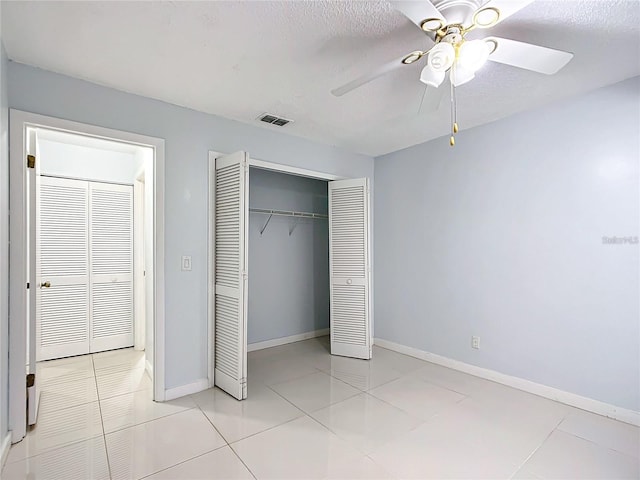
x=501, y=237
x=288, y=275
x=189, y=135
x=4, y=244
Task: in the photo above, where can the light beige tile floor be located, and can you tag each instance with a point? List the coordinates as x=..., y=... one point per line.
x=310, y=415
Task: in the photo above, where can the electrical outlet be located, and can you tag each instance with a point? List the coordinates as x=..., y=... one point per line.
x=475, y=342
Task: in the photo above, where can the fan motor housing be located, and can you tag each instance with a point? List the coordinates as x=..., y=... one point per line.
x=458, y=12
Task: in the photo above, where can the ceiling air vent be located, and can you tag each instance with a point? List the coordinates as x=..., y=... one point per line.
x=273, y=120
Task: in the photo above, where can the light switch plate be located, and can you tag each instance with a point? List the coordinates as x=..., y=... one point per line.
x=186, y=263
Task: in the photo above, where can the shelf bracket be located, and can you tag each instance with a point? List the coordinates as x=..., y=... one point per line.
x=267, y=223
x=295, y=224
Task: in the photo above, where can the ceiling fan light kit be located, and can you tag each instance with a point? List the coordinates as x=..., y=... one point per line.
x=430, y=77
x=472, y=55
x=441, y=57
x=459, y=75
x=457, y=56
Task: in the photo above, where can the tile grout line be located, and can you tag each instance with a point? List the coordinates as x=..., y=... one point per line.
x=224, y=438
x=539, y=446
x=104, y=435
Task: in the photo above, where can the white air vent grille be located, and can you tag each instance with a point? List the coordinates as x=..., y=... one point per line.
x=274, y=120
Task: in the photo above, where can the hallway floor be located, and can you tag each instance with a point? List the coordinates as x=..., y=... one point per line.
x=311, y=415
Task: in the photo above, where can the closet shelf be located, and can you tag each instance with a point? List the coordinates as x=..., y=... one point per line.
x=285, y=213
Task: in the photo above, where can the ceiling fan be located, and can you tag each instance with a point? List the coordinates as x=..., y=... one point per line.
x=454, y=58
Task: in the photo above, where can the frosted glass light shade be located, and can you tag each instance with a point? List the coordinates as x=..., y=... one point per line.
x=431, y=77
x=473, y=54
x=441, y=57
x=460, y=75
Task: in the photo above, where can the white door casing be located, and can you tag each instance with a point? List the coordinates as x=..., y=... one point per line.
x=33, y=391
x=349, y=268
x=19, y=250
x=230, y=247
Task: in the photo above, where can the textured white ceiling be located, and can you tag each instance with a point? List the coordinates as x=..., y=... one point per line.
x=240, y=59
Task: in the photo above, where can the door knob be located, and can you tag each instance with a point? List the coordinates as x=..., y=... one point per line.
x=45, y=285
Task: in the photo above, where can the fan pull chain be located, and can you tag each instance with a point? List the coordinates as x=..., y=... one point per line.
x=454, y=113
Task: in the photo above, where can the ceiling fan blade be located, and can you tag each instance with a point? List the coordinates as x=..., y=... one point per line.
x=418, y=11
x=368, y=77
x=506, y=7
x=528, y=56
x=432, y=97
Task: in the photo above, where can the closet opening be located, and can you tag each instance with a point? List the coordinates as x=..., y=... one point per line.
x=289, y=256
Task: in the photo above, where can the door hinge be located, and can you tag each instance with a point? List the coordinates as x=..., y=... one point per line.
x=27, y=285
x=31, y=161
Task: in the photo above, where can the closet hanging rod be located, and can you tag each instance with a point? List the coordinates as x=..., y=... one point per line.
x=285, y=213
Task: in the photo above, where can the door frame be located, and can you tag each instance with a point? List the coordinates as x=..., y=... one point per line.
x=19, y=122
x=253, y=162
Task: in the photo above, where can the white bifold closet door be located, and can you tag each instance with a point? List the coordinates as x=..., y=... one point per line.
x=111, y=263
x=84, y=267
x=62, y=268
x=349, y=268
x=230, y=301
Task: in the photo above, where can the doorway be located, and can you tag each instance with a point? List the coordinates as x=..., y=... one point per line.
x=91, y=178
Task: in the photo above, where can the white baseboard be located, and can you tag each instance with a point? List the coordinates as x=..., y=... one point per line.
x=4, y=449
x=183, y=390
x=284, y=340
x=578, y=401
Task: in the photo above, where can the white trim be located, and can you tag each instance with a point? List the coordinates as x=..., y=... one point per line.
x=189, y=389
x=139, y=316
x=302, y=172
x=252, y=347
x=4, y=449
x=568, y=398
x=210, y=270
x=18, y=123
x=149, y=369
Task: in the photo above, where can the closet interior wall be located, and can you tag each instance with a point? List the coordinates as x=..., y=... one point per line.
x=289, y=261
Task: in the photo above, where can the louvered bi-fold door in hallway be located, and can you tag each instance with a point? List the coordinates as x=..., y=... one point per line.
x=231, y=211
x=111, y=261
x=349, y=268
x=62, y=269
x=84, y=267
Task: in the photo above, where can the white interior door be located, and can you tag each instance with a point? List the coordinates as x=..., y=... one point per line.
x=111, y=264
x=230, y=236
x=62, y=263
x=349, y=268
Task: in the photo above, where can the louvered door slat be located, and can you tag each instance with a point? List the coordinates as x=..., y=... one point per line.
x=111, y=254
x=349, y=268
x=230, y=265
x=62, y=261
